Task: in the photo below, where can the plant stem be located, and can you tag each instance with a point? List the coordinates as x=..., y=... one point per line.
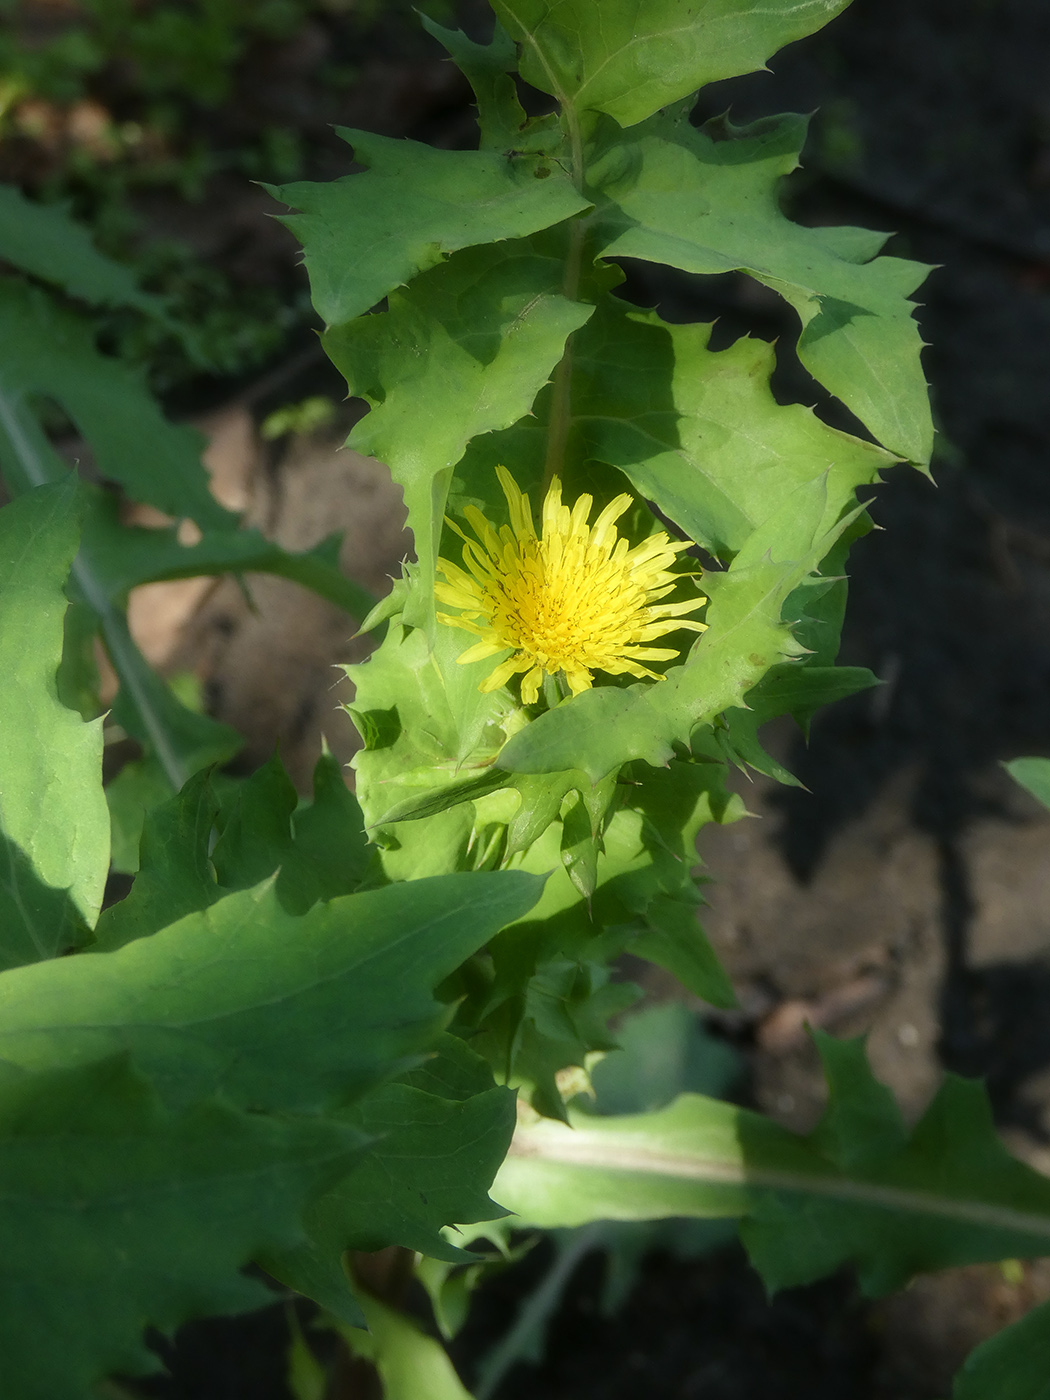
x=39, y=465
x=561, y=385
x=561, y=391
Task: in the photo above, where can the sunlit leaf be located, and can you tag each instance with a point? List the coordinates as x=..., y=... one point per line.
x=630, y=57
x=366, y=234
x=54, y=827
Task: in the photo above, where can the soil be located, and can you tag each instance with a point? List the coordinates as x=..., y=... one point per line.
x=905, y=890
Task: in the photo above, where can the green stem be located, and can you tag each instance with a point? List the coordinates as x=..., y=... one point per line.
x=538, y=1307
x=561, y=385
x=561, y=390
x=39, y=465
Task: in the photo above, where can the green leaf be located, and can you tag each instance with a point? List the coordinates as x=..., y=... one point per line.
x=706, y=201
x=365, y=235
x=430, y=1165
x=501, y=117
x=674, y=940
x=54, y=828
x=319, y=849
x=411, y=1365
x=699, y=432
x=858, y=1190
x=175, y=876
x=125, y=556
x=43, y=240
x=462, y=352
x=426, y=727
x=628, y=58
x=1012, y=1365
x=953, y=1194
x=329, y=838
x=109, y=403
x=796, y=690
x=178, y=741
x=664, y=1051
x=430, y=804
x=257, y=828
x=117, y=1215
x=1034, y=776
x=274, y=1011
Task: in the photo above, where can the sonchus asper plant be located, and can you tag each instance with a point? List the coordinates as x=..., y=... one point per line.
x=303, y=1034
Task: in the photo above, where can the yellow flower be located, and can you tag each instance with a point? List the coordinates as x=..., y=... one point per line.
x=575, y=600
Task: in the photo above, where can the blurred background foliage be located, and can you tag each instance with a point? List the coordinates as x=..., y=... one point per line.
x=148, y=119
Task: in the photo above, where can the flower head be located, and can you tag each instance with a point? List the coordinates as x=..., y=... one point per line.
x=574, y=600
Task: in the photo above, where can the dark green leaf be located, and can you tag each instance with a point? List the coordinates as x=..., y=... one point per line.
x=43, y=240
x=664, y=1051
x=256, y=828
x=124, y=556
x=175, y=876
x=330, y=844
x=274, y=1011
x=132, y=442
x=430, y=1164
x=675, y=940
x=1012, y=1365
x=117, y=1215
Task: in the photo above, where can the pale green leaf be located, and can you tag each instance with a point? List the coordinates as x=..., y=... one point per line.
x=706, y=201
x=699, y=432
x=54, y=827
x=630, y=57
x=1034, y=775
x=411, y=1365
x=365, y=235
x=117, y=1215
x=272, y=1010
x=462, y=352
x=426, y=727
x=858, y=1190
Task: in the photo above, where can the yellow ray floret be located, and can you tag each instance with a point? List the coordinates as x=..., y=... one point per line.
x=574, y=600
